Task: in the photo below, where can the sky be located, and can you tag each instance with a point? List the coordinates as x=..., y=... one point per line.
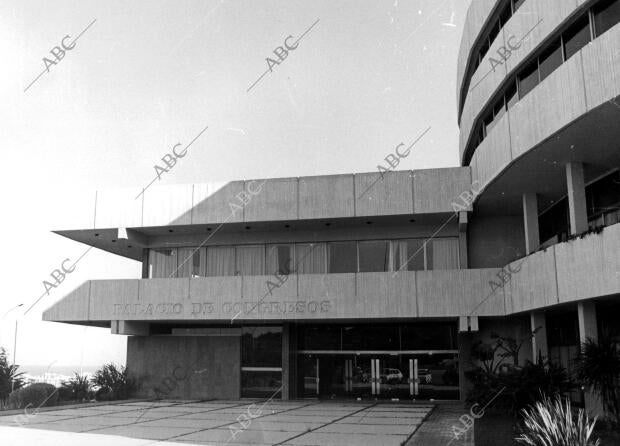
x=146, y=75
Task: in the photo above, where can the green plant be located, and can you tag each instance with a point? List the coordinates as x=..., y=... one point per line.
x=550, y=422
x=499, y=372
x=77, y=388
x=10, y=379
x=34, y=395
x=598, y=367
x=113, y=383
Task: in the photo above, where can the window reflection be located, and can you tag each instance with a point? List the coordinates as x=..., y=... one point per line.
x=374, y=256
x=342, y=257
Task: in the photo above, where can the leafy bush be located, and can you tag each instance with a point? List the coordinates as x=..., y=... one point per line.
x=598, y=367
x=77, y=388
x=517, y=386
x=113, y=383
x=550, y=422
x=10, y=379
x=35, y=395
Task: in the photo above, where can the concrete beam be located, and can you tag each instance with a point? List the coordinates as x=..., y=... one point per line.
x=130, y=328
x=576, y=198
x=530, y=222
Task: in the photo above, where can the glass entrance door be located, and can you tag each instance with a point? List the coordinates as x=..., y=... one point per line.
x=310, y=375
x=391, y=375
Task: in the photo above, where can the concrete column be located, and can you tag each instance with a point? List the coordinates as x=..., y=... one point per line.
x=588, y=329
x=464, y=344
x=539, y=340
x=286, y=366
x=145, y=263
x=576, y=198
x=530, y=222
x=463, y=240
x=289, y=361
x=586, y=312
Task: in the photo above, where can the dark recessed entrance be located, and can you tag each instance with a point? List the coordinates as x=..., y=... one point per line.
x=381, y=368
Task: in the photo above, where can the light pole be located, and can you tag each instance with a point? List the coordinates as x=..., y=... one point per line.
x=14, y=340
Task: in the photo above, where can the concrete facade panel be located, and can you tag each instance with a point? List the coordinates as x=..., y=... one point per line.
x=166, y=204
x=271, y=200
x=434, y=190
x=551, y=105
x=217, y=203
x=326, y=196
x=601, y=68
x=389, y=193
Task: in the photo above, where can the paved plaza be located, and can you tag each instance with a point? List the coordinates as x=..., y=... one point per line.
x=218, y=423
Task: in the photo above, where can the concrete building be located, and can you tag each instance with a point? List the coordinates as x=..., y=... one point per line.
x=375, y=285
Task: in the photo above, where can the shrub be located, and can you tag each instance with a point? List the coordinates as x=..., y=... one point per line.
x=10, y=379
x=550, y=422
x=35, y=395
x=598, y=368
x=499, y=373
x=77, y=388
x=113, y=383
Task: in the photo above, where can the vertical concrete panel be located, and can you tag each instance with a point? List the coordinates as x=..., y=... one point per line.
x=271, y=200
x=217, y=203
x=383, y=194
x=326, y=196
x=601, y=66
x=170, y=204
x=435, y=190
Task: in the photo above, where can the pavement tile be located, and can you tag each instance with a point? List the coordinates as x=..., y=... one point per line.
x=331, y=439
x=242, y=436
x=146, y=432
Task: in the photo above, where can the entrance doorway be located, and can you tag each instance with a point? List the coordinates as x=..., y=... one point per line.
x=372, y=375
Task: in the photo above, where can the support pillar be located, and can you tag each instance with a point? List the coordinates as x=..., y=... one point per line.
x=289, y=361
x=463, y=240
x=530, y=222
x=588, y=329
x=145, y=263
x=576, y=188
x=539, y=340
x=464, y=344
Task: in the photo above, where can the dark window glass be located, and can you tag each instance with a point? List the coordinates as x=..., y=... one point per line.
x=342, y=257
x=409, y=255
x=494, y=32
x=603, y=196
x=562, y=328
x=528, y=79
x=517, y=4
x=488, y=123
x=484, y=48
x=261, y=347
x=606, y=15
x=554, y=223
x=505, y=15
x=499, y=110
x=280, y=260
x=576, y=37
x=511, y=95
x=370, y=337
x=261, y=384
x=426, y=336
x=319, y=337
x=374, y=256
x=550, y=60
